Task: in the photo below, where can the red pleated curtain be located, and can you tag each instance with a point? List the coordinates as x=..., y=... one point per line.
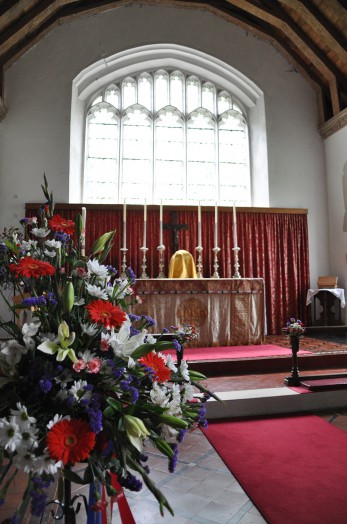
x=273, y=246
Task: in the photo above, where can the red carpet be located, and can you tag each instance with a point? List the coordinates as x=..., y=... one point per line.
x=293, y=468
x=230, y=352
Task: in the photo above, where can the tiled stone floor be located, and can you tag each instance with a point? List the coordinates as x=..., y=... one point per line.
x=202, y=489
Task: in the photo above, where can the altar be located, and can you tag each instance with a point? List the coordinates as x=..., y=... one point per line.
x=225, y=311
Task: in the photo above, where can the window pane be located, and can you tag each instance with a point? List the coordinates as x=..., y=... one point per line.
x=112, y=96
x=129, y=92
x=161, y=89
x=193, y=94
x=145, y=91
x=201, y=157
x=169, y=156
x=209, y=97
x=177, y=90
x=137, y=154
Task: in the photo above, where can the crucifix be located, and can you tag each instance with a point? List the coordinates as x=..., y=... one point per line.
x=175, y=227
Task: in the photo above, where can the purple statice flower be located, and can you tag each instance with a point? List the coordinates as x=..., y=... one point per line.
x=62, y=237
x=131, y=274
x=134, y=331
x=39, y=494
x=112, y=269
x=24, y=221
x=34, y=301
x=130, y=482
x=45, y=385
x=88, y=387
x=133, y=318
x=149, y=321
x=173, y=460
x=177, y=346
x=134, y=394
x=165, y=330
x=181, y=435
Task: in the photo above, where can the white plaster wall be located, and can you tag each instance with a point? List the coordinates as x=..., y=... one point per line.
x=34, y=137
x=336, y=165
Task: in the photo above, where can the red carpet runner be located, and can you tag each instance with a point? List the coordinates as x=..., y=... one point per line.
x=293, y=468
x=230, y=352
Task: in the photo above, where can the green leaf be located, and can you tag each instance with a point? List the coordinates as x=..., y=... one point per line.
x=101, y=242
x=115, y=404
x=142, y=350
x=71, y=475
x=195, y=375
x=172, y=421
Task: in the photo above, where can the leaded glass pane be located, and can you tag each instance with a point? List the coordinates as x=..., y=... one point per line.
x=177, y=90
x=145, y=90
x=192, y=93
x=223, y=102
x=208, y=97
x=161, y=86
x=112, y=96
x=129, y=92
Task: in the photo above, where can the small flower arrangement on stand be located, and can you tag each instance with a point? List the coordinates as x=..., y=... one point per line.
x=294, y=330
x=82, y=381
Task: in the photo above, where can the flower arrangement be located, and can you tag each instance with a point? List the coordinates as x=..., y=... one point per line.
x=81, y=379
x=294, y=328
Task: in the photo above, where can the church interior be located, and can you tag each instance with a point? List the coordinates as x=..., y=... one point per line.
x=237, y=268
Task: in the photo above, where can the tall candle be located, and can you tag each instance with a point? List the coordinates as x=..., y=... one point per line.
x=216, y=225
x=199, y=225
x=124, y=225
x=234, y=226
x=83, y=240
x=144, y=223
x=161, y=223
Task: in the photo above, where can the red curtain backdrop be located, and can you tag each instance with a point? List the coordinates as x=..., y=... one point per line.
x=273, y=246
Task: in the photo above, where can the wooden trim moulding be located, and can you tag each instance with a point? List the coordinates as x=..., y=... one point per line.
x=117, y=207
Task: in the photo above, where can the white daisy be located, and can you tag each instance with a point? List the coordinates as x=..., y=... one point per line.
x=40, y=232
x=77, y=390
x=10, y=434
x=56, y=244
x=22, y=417
x=94, y=268
x=170, y=363
x=12, y=351
x=184, y=370
x=89, y=329
x=96, y=291
x=24, y=461
x=50, y=254
x=44, y=464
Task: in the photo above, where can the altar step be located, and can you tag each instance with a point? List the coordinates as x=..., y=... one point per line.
x=273, y=401
x=270, y=364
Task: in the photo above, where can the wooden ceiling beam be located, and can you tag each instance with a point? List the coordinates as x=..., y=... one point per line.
x=325, y=22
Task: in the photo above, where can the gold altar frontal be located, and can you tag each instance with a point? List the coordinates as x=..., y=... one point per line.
x=225, y=311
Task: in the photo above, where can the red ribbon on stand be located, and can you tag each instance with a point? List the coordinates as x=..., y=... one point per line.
x=123, y=506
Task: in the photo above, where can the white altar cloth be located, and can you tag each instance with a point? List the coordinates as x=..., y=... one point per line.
x=338, y=292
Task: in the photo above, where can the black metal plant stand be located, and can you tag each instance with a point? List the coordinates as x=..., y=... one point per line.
x=294, y=379
x=66, y=509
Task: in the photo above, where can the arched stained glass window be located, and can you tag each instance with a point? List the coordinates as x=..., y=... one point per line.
x=166, y=136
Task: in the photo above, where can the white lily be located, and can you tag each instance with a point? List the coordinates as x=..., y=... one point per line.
x=122, y=344
x=62, y=349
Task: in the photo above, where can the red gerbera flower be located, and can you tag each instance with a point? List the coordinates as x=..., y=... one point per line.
x=154, y=361
x=103, y=312
x=70, y=441
x=31, y=267
x=58, y=223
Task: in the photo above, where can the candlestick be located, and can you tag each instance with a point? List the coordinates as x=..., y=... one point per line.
x=83, y=233
x=215, y=225
x=161, y=223
x=124, y=225
x=199, y=225
x=144, y=224
x=199, y=262
x=234, y=226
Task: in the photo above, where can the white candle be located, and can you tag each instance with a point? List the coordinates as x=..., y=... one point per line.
x=216, y=225
x=199, y=225
x=124, y=225
x=234, y=226
x=144, y=224
x=83, y=235
x=161, y=223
